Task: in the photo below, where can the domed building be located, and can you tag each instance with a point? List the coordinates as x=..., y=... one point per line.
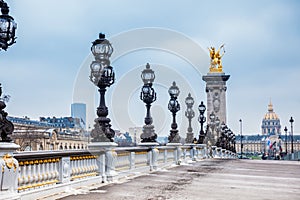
x=271, y=122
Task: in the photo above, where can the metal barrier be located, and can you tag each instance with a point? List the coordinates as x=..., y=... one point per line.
x=292, y=156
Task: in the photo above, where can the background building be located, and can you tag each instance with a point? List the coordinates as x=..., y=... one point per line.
x=48, y=134
x=271, y=122
x=270, y=140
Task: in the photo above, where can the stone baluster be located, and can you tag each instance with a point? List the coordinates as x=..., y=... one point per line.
x=110, y=159
x=132, y=160
x=65, y=170
x=214, y=151
x=21, y=177
x=165, y=155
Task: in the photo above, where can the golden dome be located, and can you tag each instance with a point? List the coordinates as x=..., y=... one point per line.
x=270, y=114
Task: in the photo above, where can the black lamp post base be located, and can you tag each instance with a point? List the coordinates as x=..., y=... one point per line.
x=102, y=131
x=174, y=136
x=6, y=127
x=209, y=138
x=189, y=138
x=201, y=139
x=148, y=134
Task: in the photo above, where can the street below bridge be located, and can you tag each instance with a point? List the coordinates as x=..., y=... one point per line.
x=206, y=179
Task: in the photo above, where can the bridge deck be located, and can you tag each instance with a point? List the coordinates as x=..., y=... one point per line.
x=207, y=179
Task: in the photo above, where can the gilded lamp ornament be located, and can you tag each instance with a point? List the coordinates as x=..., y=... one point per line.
x=102, y=75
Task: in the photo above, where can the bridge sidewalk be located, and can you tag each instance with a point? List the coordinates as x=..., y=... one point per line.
x=207, y=179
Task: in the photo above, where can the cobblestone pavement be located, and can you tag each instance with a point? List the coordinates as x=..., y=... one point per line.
x=208, y=179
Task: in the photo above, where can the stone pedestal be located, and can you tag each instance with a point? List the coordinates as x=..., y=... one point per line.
x=9, y=168
x=107, y=160
x=152, y=155
x=177, y=152
x=216, y=95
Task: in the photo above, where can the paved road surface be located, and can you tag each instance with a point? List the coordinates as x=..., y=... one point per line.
x=208, y=179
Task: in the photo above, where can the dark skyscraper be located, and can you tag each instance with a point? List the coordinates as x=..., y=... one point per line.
x=78, y=110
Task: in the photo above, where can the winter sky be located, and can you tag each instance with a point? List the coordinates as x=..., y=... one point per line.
x=47, y=69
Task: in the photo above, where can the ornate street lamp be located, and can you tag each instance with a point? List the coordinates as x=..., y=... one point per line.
x=148, y=96
x=7, y=37
x=189, y=113
x=224, y=137
x=217, y=127
x=201, y=120
x=102, y=75
x=7, y=27
x=174, y=107
x=241, y=130
x=220, y=134
x=285, y=130
x=229, y=140
x=233, y=141
x=291, y=121
x=211, y=136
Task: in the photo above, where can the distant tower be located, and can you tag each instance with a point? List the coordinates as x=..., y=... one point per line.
x=78, y=110
x=271, y=123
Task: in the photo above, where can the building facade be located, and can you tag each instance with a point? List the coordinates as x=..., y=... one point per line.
x=253, y=144
x=270, y=141
x=34, y=135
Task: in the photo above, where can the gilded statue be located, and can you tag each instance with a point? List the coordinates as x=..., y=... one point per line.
x=215, y=59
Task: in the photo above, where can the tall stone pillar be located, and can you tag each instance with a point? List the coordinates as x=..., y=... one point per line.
x=216, y=88
x=216, y=94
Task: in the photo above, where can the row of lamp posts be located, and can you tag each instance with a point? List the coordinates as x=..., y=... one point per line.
x=102, y=75
x=292, y=136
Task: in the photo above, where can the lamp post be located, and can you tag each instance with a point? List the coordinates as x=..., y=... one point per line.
x=201, y=120
x=212, y=124
x=7, y=27
x=217, y=127
x=285, y=130
x=228, y=139
x=7, y=38
x=148, y=96
x=291, y=121
x=241, y=127
x=234, y=148
x=174, y=107
x=221, y=134
x=7, y=147
x=189, y=113
x=103, y=76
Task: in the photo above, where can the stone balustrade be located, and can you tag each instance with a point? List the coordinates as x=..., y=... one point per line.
x=38, y=171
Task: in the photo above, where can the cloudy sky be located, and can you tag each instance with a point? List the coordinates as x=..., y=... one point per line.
x=47, y=69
